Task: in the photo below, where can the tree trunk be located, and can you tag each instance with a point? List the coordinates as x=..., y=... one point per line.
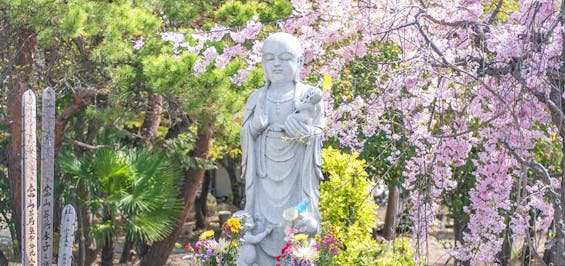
x=108, y=249
x=152, y=120
x=128, y=246
x=86, y=256
x=178, y=125
x=552, y=255
x=506, y=252
x=79, y=101
x=108, y=252
x=527, y=256
x=82, y=236
x=19, y=81
x=458, y=229
x=555, y=248
x=236, y=184
x=160, y=251
x=142, y=248
x=3, y=259
x=200, y=204
x=393, y=203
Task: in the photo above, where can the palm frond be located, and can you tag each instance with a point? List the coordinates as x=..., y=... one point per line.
x=102, y=231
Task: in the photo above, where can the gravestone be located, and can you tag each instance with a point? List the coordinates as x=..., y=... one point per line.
x=66, y=239
x=47, y=173
x=29, y=180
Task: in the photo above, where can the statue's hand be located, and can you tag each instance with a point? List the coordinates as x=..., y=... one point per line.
x=260, y=120
x=269, y=229
x=297, y=128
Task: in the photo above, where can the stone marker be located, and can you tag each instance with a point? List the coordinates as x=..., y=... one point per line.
x=67, y=237
x=47, y=173
x=29, y=180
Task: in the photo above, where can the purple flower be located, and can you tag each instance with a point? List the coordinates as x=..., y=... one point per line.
x=138, y=44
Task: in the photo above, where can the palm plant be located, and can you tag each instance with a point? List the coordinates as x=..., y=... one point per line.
x=129, y=192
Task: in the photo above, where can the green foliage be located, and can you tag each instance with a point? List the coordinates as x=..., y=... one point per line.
x=182, y=11
x=357, y=79
x=167, y=75
x=358, y=76
x=72, y=25
x=376, y=151
x=345, y=203
x=237, y=13
x=6, y=220
x=548, y=152
x=278, y=9
x=397, y=254
x=457, y=199
x=506, y=8
x=133, y=190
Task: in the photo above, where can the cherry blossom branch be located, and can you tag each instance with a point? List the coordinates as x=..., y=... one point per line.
x=413, y=23
x=483, y=124
x=458, y=23
x=541, y=170
x=383, y=176
x=495, y=12
x=534, y=252
x=559, y=116
x=451, y=66
x=430, y=42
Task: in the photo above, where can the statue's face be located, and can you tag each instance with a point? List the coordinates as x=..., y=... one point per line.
x=281, y=60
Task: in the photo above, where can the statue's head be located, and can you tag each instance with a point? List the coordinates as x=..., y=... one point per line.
x=282, y=58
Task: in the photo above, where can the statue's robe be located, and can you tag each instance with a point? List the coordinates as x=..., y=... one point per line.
x=280, y=171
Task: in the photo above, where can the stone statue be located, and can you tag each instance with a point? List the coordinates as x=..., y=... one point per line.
x=281, y=145
x=255, y=232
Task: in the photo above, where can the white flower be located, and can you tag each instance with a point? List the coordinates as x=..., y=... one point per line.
x=306, y=253
x=213, y=245
x=222, y=246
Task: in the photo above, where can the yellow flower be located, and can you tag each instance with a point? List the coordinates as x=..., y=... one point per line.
x=299, y=237
x=234, y=243
x=207, y=234
x=327, y=83
x=234, y=224
x=317, y=238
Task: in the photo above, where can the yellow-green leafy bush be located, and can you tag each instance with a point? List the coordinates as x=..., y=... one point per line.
x=346, y=204
x=398, y=253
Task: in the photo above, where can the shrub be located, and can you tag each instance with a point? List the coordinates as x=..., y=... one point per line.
x=397, y=254
x=345, y=204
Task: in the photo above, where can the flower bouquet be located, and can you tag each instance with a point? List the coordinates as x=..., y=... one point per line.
x=223, y=251
x=302, y=247
x=299, y=251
